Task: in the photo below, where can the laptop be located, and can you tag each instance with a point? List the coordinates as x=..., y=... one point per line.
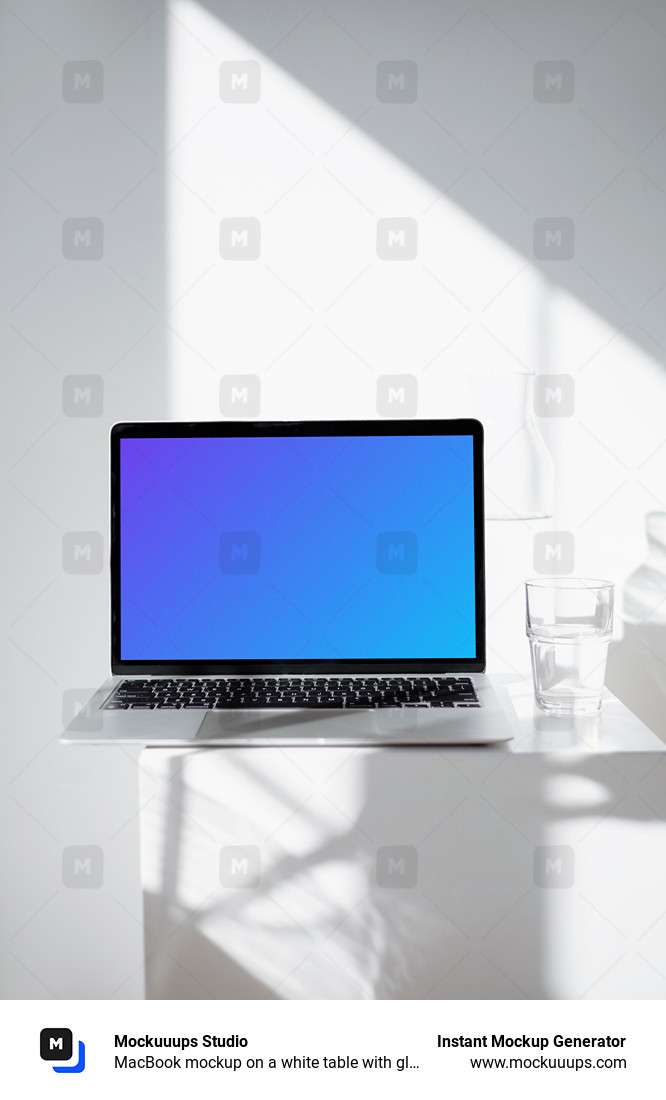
x=296, y=583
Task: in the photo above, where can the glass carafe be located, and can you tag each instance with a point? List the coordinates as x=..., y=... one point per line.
x=518, y=467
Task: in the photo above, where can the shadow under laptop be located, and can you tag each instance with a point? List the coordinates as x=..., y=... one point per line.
x=306, y=873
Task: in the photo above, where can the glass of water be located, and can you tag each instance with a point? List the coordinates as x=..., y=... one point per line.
x=569, y=625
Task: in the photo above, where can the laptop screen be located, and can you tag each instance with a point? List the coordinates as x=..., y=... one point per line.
x=295, y=547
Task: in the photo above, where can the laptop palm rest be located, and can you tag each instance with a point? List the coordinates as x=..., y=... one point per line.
x=390, y=726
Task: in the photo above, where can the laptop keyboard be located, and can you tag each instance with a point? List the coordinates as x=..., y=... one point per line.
x=340, y=693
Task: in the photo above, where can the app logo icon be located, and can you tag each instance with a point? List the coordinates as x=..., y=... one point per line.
x=56, y=1045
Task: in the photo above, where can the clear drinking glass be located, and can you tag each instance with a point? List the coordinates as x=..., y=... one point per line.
x=569, y=625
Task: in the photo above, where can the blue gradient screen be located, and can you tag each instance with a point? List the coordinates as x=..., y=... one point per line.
x=297, y=548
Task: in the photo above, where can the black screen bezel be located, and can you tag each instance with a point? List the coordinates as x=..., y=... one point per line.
x=217, y=429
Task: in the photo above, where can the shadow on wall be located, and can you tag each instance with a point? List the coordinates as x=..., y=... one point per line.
x=82, y=277
x=559, y=158
x=636, y=669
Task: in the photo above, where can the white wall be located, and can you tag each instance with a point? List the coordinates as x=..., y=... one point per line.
x=62, y=319
x=318, y=317
x=477, y=160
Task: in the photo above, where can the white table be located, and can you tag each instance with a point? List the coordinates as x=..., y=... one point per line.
x=536, y=869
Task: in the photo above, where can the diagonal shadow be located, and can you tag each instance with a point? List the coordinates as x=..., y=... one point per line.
x=481, y=122
x=479, y=918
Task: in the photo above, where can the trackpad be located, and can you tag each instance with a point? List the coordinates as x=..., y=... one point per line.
x=283, y=727
x=389, y=726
